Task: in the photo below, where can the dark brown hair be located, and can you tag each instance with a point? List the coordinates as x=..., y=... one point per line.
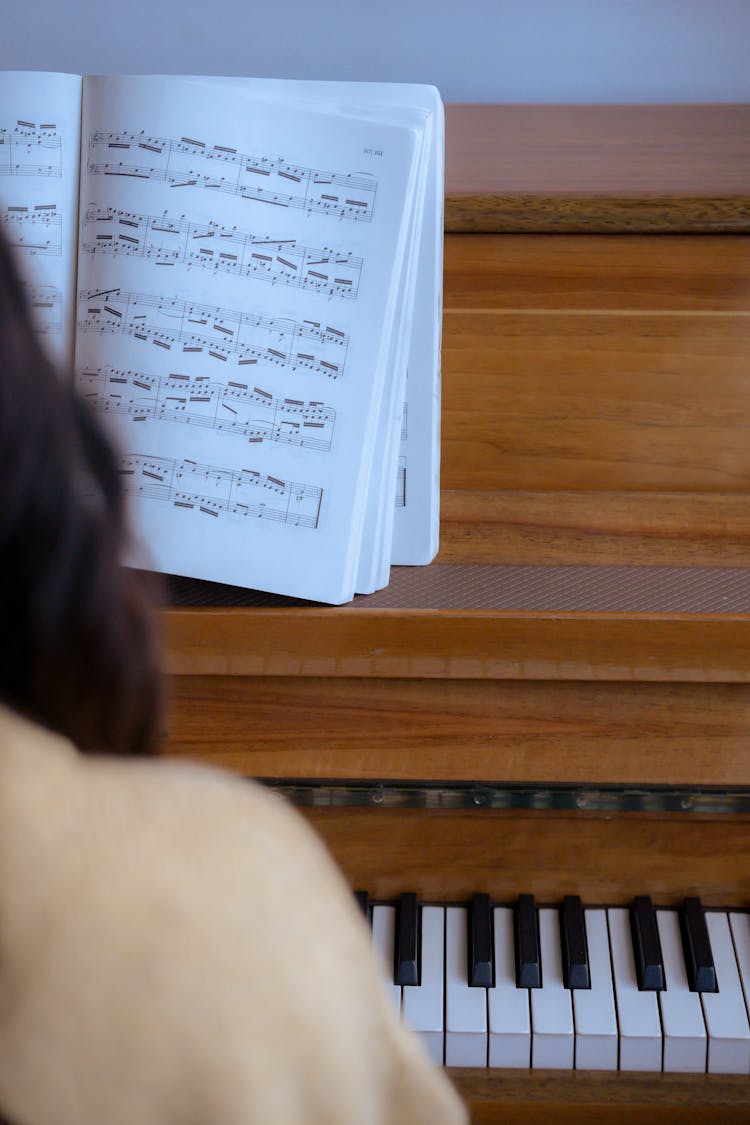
x=78, y=649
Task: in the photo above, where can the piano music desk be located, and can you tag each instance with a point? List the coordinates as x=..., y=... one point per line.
x=561, y=703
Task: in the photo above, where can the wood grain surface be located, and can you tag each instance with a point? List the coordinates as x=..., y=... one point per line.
x=608, y=213
x=458, y=644
x=455, y=730
x=548, y=527
x=581, y=274
x=597, y=168
x=446, y=856
x=542, y=1097
x=609, y=364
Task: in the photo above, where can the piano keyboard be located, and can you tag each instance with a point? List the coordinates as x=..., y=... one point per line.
x=570, y=987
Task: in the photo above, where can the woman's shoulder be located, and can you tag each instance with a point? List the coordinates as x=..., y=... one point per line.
x=181, y=814
x=190, y=917
x=33, y=756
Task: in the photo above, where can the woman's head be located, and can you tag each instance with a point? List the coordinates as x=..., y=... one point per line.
x=77, y=642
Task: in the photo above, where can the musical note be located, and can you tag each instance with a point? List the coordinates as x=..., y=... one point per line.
x=193, y=328
x=261, y=179
x=36, y=229
x=167, y=241
x=30, y=150
x=216, y=492
x=45, y=300
x=236, y=408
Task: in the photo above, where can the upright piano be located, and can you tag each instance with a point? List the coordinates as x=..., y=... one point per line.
x=554, y=717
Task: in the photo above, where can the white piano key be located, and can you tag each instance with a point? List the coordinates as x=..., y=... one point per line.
x=594, y=1008
x=740, y=927
x=724, y=1011
x=422, y=1006
x=383, y=938
x=509, y=1015
x=465, y=1007
x=551, y=1009
x=638, y=1020
x=683, y=1026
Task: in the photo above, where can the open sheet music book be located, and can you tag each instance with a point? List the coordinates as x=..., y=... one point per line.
x=241, y=272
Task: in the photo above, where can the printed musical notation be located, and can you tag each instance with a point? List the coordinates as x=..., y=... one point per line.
x=46, y=301
x=167, y=241
x=234, y=407
x=263, y=179
x=29, y=149
x=36, y=229
x=220, y=333
x=401, y=483
x=211, y=490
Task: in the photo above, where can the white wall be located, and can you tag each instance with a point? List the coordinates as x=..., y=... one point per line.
x=473, y=50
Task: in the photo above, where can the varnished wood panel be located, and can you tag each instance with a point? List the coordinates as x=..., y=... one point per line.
x=447, y=856
x=619, y=273
x=614, y=364
x=542, y=1097
x=534, y=167
x=554, y=401
x=457, y=644
x=698, y=149
x=591, y=214
x=564, y=528
x=587, y=734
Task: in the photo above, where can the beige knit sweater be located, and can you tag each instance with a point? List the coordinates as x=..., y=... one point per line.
x=176, y=948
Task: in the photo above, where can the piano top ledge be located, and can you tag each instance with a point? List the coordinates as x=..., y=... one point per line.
x=476, y=644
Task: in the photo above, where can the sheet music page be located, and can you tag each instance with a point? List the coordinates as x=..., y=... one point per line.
x=417, y=486
x=387, y=482
x=40, y=121
x=237, y=264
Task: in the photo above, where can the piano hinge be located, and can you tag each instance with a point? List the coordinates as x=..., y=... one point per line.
x=343, y=793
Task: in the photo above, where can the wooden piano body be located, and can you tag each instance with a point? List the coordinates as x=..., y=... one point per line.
x=561, y=703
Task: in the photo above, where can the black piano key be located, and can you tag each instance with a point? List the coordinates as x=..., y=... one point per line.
x=481, y=961
x=363, y=902
x=575, y=952
x=649, y=963
x=406, y=968
x=528, y=953
x=696, y=944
